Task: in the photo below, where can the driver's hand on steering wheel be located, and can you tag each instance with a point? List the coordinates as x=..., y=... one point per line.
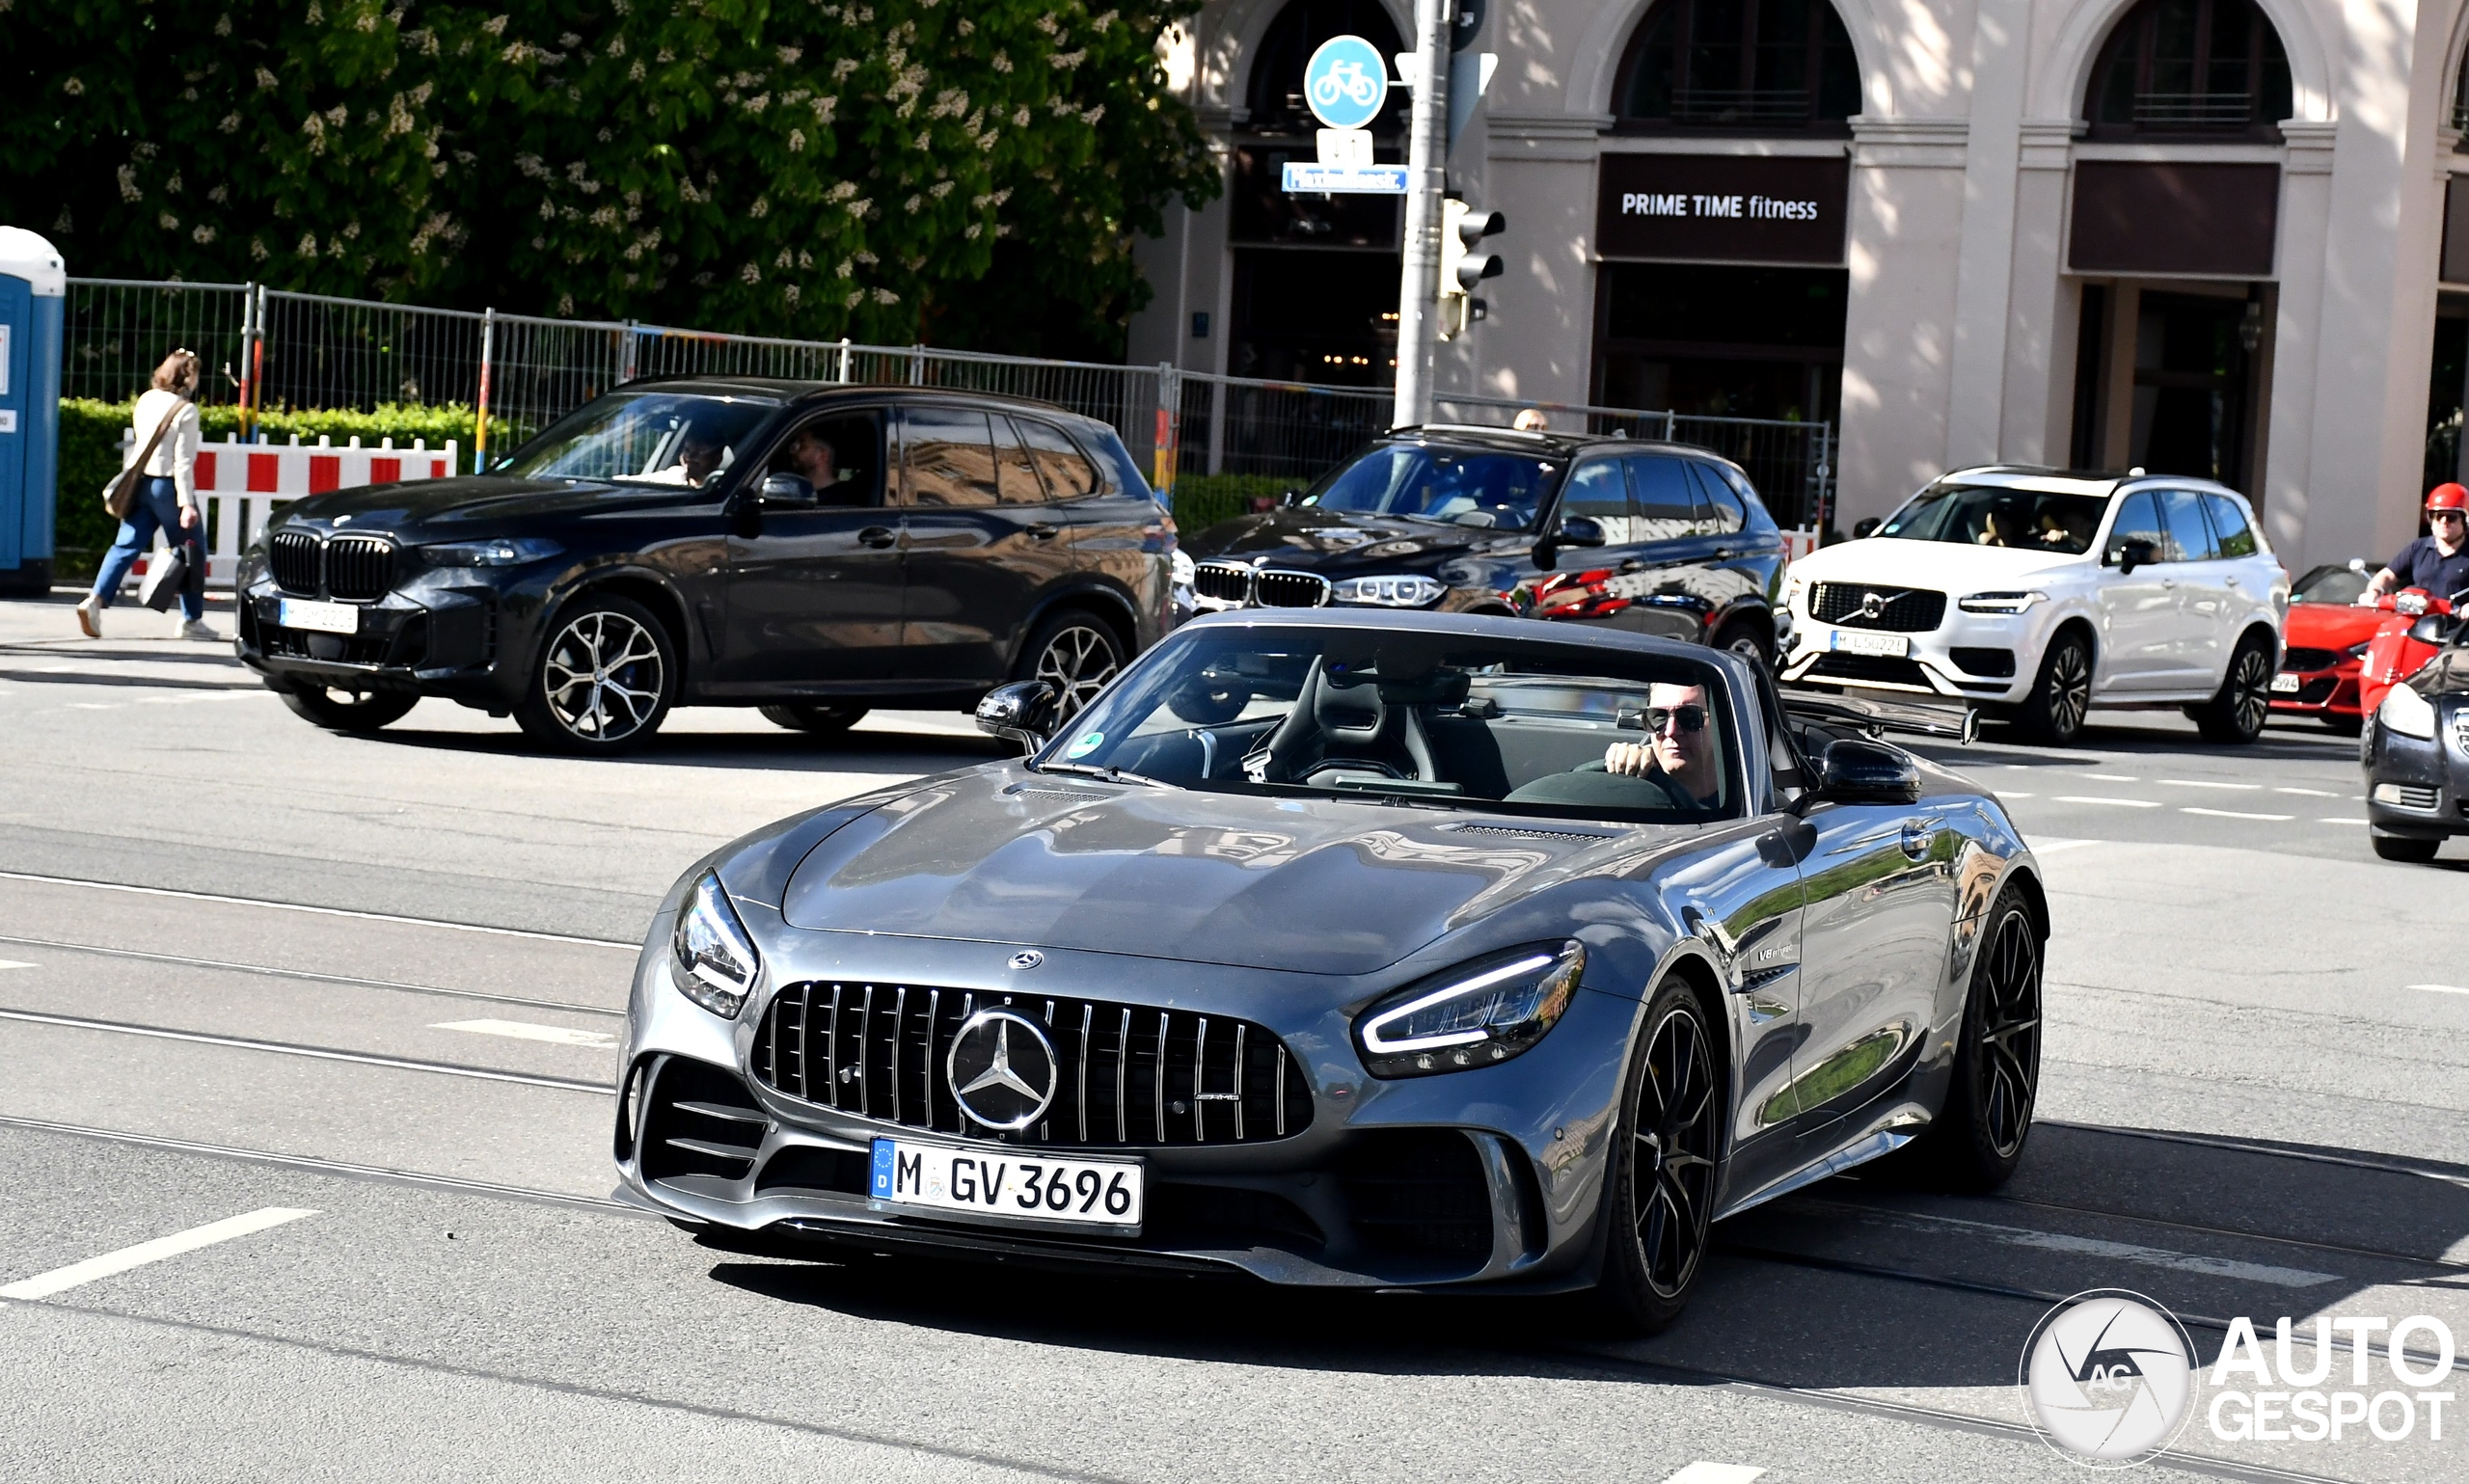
x=1629, y=760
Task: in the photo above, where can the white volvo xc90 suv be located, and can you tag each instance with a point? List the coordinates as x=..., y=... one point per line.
x=2038, y=595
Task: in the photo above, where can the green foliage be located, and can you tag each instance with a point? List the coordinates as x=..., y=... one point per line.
x=1203, y=500
x=815, y=169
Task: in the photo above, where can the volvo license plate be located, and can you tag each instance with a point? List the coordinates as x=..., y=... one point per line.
x=322, y=617
x=1889, y=646
x=1099, y=1194
x=2285, y=684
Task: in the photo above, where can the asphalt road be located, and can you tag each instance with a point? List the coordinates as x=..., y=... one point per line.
x=364, y=994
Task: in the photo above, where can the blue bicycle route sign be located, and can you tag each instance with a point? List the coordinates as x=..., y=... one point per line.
x=1345, y=82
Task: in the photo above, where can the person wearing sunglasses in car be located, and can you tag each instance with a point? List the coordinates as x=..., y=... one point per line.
x=1680, y=755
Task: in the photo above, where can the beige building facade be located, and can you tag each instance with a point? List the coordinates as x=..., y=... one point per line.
x=2201, y=237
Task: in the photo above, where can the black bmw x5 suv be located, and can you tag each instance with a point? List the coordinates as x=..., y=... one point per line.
x=1652, y=537
x=807, y=548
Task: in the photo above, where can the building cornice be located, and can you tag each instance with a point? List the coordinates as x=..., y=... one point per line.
x=1888, y=142
x=2307, y=146
x=2047, y=143
x=1513, y=136
x=1818, y=147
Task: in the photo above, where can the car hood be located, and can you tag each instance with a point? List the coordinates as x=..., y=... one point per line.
x=2330, y=624
x=475, y=506
x=1338, y=542
x=1002, y=854
x=1949, y=566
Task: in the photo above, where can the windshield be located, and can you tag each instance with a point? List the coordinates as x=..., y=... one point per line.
x=1393, y=716
x=2338, y=584
x=644, y=437
x=1500, y=490
x=1997, y=514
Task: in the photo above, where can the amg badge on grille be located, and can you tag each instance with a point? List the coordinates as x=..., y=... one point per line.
x=1003, y=1069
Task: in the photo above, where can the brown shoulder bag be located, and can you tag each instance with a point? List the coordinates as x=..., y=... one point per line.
x=119, y=496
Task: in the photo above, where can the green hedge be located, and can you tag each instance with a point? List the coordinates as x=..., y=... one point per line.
x=90, y=454
x=1203, y=500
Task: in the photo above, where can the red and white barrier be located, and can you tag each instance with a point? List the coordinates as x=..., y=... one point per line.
x=1798, y=544
x=241, y=483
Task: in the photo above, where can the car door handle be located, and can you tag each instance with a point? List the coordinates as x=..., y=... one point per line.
x=2168, y=582
x=1918, y=835
x=2231, y=580
x=1632, y=564
x=1723, y=554
x=1044, y=531
x=876, y=536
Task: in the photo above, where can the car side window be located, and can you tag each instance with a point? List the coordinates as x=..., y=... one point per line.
x=1600, y=492
x=1067, y=470
x=1016, y=468
x=839, y=456
x=2189, y=538
x=1667, y=497
x=949, y=455
x=1724, y=513
x=2138, y=519
x=2229, y=524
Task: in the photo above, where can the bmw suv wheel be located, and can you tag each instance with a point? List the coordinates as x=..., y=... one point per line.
x=605, y=679
x=1078, y=655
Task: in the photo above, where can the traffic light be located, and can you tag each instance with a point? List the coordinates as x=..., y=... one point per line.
x=1463, y=263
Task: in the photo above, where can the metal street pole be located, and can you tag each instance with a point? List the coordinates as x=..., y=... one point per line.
x=1426, y=176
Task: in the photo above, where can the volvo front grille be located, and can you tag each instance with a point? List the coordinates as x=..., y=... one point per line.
x=1861, y=605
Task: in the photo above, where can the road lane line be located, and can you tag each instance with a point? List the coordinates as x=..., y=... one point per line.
x=313, y=1053
x=2232, y=814
x=1704, y=1472
x=525, y=1030
x=322, y=911
x=2206, y=783
x=14, y=964
x=2309, y=793
x=2050, y=846
x=2343, y=821
x=61, y=1280
x=2011, y=794
x=2112, y=778
x=2443, y=988
x=2123, y=803
x=312, y=975
x=2088, y=1246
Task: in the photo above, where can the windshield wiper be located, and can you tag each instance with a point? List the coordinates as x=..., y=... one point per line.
x=1109, y=774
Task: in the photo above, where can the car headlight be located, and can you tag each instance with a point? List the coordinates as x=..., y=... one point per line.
x=2407, y=713
x=1793, y=586
x=1473, y=1016
x=2000, y=602
x=512, y=551
x=1389, y=592
x=1182, y=568
x=711, y=959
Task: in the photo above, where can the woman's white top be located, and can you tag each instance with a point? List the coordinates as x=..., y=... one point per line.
x=175, y=456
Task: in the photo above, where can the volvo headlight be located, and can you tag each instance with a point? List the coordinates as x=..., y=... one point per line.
x=1389, y=592
x=710, y=959
x=2000, y=602
x=1473, y=1016
x=2407, y=713
x=1181, y=563
x=511, y=551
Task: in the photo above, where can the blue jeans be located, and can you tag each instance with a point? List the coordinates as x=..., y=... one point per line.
x=157, y=508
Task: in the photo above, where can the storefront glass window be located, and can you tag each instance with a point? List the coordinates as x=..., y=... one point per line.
x=1756, y=66
x=2191, y=67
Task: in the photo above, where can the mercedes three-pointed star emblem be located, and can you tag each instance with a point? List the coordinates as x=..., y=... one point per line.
x=1001, y=1080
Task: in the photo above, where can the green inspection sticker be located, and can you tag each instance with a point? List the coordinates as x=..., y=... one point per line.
x=1090, y=741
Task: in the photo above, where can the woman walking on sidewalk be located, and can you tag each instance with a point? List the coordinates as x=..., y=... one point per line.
x=166, y=499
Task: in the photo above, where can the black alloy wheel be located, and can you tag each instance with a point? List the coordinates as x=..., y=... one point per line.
x=346, y=711
x=1078, y=655
x=2238, y=714
x=1742, y=637
x=604, y=680
x=1978, y=1137
x=822, y=719
x=2414, y=850
x=1662, y=1198
x=2061, y=694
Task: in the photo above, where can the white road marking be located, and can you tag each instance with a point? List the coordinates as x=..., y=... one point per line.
x=2339, y=822
x=312, y=1053
x=2011, y=794
x=2123, y=803
x=2443, y=988
x=321, y=911
x=2045, y=847
x=2309, y=793
x=2232, y=814
x=1704, y=1472
x=14, y=964
x=2091, y=1247
x=2206, y=783
x=525, y=1030
x=2112, y=778
x=59, y=1279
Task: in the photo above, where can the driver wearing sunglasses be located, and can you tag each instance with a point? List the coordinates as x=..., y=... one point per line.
x=1680, y=751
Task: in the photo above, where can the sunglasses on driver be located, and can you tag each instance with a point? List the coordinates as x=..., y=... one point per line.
x=1653, y=719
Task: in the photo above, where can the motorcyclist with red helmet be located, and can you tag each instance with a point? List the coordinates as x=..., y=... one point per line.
x=2437, y=562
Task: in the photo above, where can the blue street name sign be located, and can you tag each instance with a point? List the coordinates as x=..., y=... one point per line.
x=1302, y=176
x=1345, y=82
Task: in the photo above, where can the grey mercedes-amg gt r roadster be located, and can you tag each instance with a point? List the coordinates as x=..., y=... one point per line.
x=1349, y=950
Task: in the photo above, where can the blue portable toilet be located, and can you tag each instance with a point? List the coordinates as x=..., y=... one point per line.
x=34, y=302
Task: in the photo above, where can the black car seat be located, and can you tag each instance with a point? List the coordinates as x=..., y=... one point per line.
x=1339, y=728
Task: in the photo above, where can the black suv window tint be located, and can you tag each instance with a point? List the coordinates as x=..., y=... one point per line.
x=1667, y=497
x=2229, y=523
x=950, y=456
x=1599, y=492
x=1068, y=472
x=839, y=456
x=2138, y=519
x=1016, y=472
x=1724, y=513
x=2189, y=538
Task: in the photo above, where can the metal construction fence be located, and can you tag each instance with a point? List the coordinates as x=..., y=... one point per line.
x=1215, y=443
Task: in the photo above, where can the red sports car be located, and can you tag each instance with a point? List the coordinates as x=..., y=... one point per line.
x=2325, y=645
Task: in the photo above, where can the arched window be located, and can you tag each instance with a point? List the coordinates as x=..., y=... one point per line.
x=1747, y=65
x=2191, y=67
x=1275, y=95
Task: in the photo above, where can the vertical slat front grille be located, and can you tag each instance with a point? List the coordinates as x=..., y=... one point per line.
x=1899, y=609
x=1222, y=581
x=358, y=569
x=1292, y=589
x=1125, y=1075
x=291, y=555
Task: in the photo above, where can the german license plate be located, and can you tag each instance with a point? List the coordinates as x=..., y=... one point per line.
x=1102, y=1194
x=1890, y=645
x=323, y=617
x=2285, y=684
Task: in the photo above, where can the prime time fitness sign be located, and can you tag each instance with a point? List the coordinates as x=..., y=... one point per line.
x=1723, y=208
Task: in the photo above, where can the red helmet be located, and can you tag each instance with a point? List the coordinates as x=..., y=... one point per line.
x=2448, y=497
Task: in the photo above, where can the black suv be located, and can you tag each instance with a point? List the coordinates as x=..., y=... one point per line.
x=807, y=548
x=1658, y=538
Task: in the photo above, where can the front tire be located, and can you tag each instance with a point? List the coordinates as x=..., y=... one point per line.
x=1742, y=636
x=2411, y=849
x=604, y=681
x=1076, y=654
x=1978, y=1137
x=2236, y=714
x=2061, y=694
x=824, y=719
x=347, y=711
x=1661, y=1200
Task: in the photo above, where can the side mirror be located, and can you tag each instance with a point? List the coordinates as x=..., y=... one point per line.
x=787, y=490
x=1863, y=530
x=1290, y=499
x=1581, y=530
x=2132, y=553
x=2434, y=628
x=1868, y=772
x=1023, y=710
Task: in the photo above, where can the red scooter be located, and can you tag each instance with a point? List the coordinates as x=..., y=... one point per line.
x=2419, y=624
